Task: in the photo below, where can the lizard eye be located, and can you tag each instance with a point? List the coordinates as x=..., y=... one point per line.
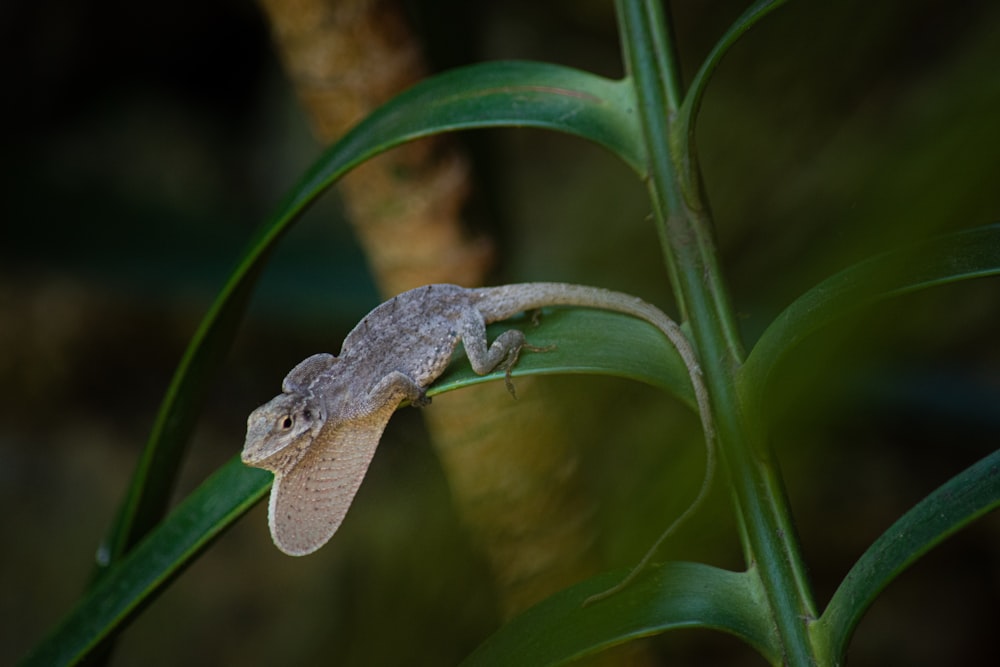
x=286, y=422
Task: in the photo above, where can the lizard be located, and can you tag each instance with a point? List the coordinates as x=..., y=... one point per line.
x=319, y=435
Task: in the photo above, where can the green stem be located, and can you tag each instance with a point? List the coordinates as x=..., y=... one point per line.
x=685, y=229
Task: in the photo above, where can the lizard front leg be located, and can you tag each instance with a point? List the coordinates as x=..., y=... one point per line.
x=393, y=389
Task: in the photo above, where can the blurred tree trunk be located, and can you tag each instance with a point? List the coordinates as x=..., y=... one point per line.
x=510, y=466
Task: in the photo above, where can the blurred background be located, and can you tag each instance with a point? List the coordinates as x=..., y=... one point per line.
x=146, y=142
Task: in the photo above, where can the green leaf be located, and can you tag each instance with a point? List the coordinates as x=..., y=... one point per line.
x=682, y=131
x=695, y=93
x=586, y=341
x=968, y=254
x=964, y=498
x=507, y=94
x=147, y=569
x=490, y=95
x=516, y=94
x=668, y=597
x=153, y=480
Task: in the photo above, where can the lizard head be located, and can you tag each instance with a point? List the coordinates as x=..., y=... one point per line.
x=279, y=431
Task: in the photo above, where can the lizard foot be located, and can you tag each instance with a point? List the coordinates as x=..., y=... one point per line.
x=421, y=401
x=513, y=356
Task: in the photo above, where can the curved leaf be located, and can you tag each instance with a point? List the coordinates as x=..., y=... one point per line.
x=586, y=341
x=695, y=93
x=968, y=254
x=505, y=94
x=668, y=597
x=495, y=94
x=682, y=132
x=964, y=498
x=152, y=482
x=212, y=507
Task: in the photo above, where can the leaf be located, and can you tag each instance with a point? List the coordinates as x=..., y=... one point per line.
x=964, y=498
x=507, y=94
x=586, y=341
x=682, y=132
x=146, y=570
x=496, y=94
x=153, y=481
x=674, y=595
x=968, y=254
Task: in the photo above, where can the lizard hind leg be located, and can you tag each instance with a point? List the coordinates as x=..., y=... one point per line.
x=501, y=353
x=515, y=354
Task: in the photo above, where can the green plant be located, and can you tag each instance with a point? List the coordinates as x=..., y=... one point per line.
x=648, y=121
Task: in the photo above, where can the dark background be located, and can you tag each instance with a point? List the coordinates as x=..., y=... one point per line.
x=144, y=143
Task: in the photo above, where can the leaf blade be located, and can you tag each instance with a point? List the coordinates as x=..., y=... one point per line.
x=972, y=253
x=963, y=499
x=496, y=94
x=586, y=341
x=683, y=130
x=739, y=27
x=152, y=564
x=671, y=596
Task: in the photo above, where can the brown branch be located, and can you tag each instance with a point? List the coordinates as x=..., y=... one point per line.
x=511, y=467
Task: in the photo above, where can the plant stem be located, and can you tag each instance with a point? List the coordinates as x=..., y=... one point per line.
x=685, y=229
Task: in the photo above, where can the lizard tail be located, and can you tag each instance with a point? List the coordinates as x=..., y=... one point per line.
x=499, y=303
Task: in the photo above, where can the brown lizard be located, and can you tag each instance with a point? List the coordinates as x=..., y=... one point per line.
x=319, y=435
